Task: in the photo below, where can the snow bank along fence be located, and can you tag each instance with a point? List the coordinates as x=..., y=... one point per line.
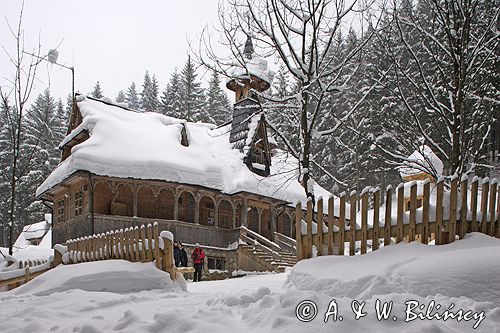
x=138, y=244
x=432, y=221
x=16, y=273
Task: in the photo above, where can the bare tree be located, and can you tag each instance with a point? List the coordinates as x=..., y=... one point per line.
x=446, y=62
x=299, y=35
x=19, y=88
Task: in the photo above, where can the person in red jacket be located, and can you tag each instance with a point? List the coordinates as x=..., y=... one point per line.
x=198, y=256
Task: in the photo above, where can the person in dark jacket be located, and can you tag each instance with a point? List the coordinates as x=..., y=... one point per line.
x=177, y=254
x=184, y=256
x=198, y=255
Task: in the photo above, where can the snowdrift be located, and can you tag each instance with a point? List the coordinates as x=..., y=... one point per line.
x=469, y=267
x=115, y=276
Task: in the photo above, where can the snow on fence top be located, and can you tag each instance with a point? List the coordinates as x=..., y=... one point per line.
x=129, y=144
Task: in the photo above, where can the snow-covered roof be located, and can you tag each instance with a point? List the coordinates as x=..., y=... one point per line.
x=422, y=160
x=129, y=144
x=255, y=66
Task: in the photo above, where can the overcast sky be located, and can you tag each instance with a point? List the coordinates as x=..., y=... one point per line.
x=112, y=41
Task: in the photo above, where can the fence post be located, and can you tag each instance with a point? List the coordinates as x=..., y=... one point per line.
x=100, y=249
x=425, y=212
x=143, y=243
x=121, y=254
x=331, y=208
x=149, y=231
x=130, y=243
x=157, y=245
x=309, y=234
x=85, y=246
x=352, y=220
x=364, y=219
x=413, y=212
x=452, y=229
x=484, y=204
x=462, y=228
x=473, y=204
x=168, y=257
x=137, y=237
x=376, y=218
x=439, y=212
x=497, y=232
x=26, y=274
x=114, y=245
x=400, y=211
x=342, y=224
x=108, y=245
x=125, y=245
x=298, y=230
x=388, y=216
x=493, y=194
x=319, y=227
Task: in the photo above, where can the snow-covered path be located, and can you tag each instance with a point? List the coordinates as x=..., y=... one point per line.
x=118, y=296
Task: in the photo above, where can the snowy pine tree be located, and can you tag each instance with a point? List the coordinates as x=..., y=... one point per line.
x=132, y=98
x=97, y=92
x=217, y=107
x=171, y=97
x=149, y=95
x=192, y=98
x=120, y=98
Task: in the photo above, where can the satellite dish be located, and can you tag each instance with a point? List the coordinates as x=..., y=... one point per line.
x=52, y=56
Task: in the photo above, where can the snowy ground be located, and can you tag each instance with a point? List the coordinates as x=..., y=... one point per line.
x=117, y=296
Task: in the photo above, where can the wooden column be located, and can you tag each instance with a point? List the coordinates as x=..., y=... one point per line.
x=425, y=212
x=400, y=226
x=309, y=234
x=177, y=195
x=197, y=199
x=462, y=227
x=473, y=205
x=331, y=215
x=439, y=212
x=272, y=209
x=342, y=224
x=234, y=208
x=259, y=224
x=497, y=231
x=413, y=213
x=216, y=213
x=319, y=226
x=244, y=213
x=143, y=243
x=135, y=189
x=484, y=204
x=364, y=220
x=352, y=220
x=388, y=216
x=168, y=258
x=376, y=219
x=298, y=231
x=91, y=203
x=452, y=224
x=493, y=197
x=156, y=238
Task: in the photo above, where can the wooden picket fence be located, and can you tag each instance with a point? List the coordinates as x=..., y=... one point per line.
x=138, y=244
x=27, y=270
x=470, y=217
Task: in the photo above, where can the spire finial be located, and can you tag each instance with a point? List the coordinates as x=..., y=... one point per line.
x=248, y=48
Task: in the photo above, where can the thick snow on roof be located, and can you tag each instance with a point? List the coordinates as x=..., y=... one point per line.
x=129, y=144
x=255, y=66
x=422, y=160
